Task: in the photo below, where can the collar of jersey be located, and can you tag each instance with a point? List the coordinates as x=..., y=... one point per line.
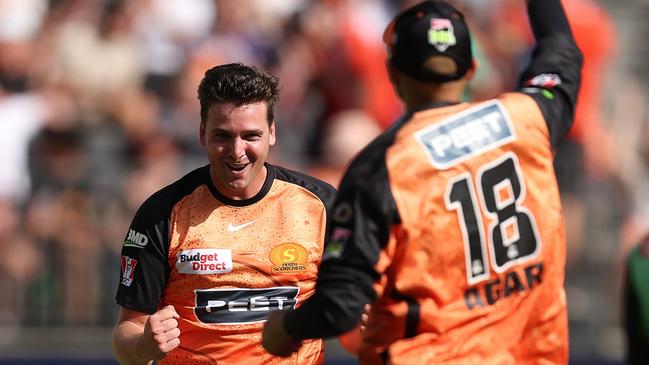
x=270, y=176
x=432, y=104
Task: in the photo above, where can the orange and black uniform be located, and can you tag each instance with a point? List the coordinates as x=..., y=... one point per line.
x=225, y=264
x=450, y=223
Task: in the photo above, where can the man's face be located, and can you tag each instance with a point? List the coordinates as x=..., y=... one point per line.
x=237, y=140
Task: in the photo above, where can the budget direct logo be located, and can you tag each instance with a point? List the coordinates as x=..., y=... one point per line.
x=475, y=131
x=204, y=261
x=288, y=258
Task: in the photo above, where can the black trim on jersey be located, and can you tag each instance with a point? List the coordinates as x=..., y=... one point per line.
x=430, y=105
x=555, y=53
x=345, y=283
x=324, y=191
x=412, y=316
x=268, y=183
x=153, y=220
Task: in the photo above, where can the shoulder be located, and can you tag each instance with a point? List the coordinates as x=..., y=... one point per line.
x=163, y=200
x=524, y=100
x=321, y=189
x=370, y=164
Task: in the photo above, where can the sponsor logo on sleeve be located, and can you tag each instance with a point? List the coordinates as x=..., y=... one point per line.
x=544, y=80
x=337, y=243
x=288, y=258
x=128, y=270
x=204, y=261
x=343, y=212
x=242, y=305
x=136, y=239
x=475, y=131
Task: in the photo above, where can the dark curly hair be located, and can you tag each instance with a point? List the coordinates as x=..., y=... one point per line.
x=238, y=84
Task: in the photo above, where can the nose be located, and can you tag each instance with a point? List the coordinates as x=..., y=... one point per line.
x=238, y=149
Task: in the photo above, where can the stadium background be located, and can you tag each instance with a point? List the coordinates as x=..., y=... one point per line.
x=98, y=110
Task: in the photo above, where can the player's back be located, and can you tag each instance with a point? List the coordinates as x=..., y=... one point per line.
x=478, y=259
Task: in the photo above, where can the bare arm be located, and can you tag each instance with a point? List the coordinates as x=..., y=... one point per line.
x=139, y=338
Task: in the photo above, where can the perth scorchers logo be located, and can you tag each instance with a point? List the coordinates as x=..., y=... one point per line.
x=288, y=258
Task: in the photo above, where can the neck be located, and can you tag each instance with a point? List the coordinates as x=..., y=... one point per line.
x=240, y=190
x=416, y=93
x=413, y=104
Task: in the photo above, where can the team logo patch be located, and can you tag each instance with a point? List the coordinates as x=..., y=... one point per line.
x=288, y=258
x=337, y=243
x=128, y=270
x=136, y=239
x=441, y=34
x=544, y=80
x=468, y=134
x=204, y=261
x=343, y=213
x=242, y=305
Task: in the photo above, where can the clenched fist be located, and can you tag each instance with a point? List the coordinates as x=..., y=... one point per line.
x=161, y=333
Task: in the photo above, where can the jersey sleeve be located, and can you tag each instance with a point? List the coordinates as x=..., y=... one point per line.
x=355, y=256
x=144, y=266
x=553, y=76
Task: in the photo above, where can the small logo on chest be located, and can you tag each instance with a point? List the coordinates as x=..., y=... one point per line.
x=234, y=228
x=288, y=258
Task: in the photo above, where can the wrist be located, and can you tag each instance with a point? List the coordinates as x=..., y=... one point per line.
x=141, y=354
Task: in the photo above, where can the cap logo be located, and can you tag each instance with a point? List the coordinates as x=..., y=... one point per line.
x=441, y=34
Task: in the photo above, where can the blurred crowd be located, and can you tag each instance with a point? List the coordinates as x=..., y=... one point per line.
x=98, y=110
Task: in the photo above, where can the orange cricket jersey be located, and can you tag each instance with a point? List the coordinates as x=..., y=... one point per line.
x=225, y=264
x=480, y=246
x=450, y=225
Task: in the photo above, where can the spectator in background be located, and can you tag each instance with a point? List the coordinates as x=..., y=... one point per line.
x=346, y=134
x=96, y=56
x=57, y=215
x=588, y=152
x=18, y=273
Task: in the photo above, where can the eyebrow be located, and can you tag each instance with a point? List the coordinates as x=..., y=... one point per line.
x=247, y=131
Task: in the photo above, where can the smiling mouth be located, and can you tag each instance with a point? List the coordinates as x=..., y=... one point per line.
x=238, y=167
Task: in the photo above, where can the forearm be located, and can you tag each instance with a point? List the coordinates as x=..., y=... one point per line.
x=127, y=336
x=555, y=67
x=336, y=307
x=548, y=19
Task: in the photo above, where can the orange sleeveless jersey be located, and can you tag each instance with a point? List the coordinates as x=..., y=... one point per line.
x=481, y=243
x=224, y=265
